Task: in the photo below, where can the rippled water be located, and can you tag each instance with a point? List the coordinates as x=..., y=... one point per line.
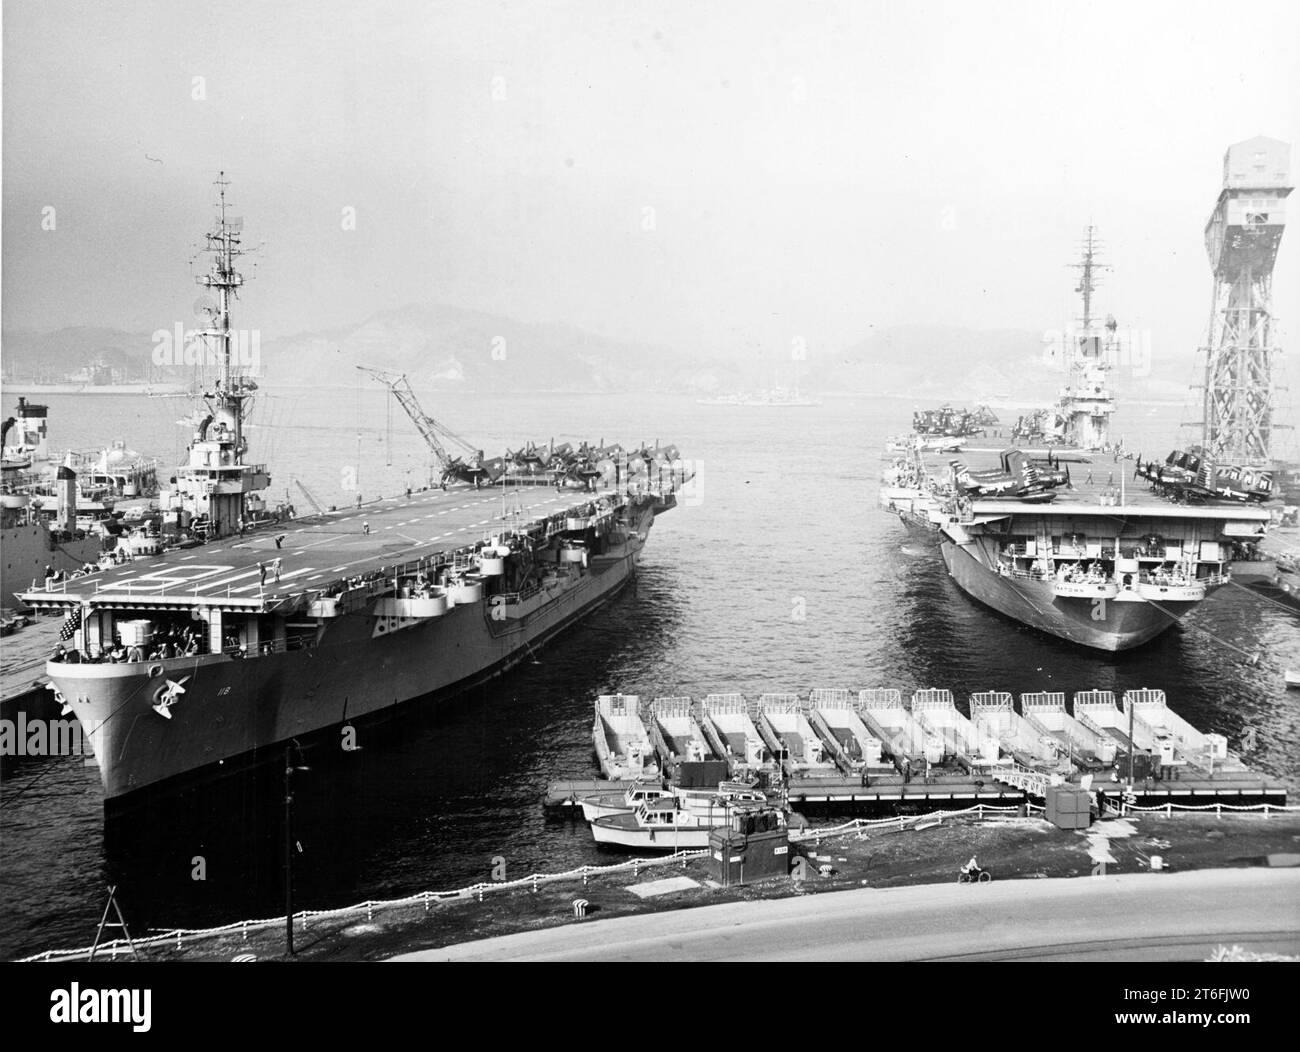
x=780, y=575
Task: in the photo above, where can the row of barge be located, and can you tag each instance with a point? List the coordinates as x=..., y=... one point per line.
x=879, y=751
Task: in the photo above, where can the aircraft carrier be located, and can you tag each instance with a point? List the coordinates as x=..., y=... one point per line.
x=1090, y=555
x=192, y=666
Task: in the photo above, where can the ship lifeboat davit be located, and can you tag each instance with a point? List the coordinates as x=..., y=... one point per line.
x=1085, y=589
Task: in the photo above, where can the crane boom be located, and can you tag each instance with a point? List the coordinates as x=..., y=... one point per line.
x=433, y=433
x=310, y=499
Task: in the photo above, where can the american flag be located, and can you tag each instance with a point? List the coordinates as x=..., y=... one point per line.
x=71, y=625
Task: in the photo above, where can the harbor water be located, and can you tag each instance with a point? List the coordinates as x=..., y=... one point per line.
x=777, y=573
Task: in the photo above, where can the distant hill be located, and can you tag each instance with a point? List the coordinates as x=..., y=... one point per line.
x=450, y=348
x=938, y=363
x=50, y=356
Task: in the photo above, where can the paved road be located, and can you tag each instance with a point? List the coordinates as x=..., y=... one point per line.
x=1138, y=917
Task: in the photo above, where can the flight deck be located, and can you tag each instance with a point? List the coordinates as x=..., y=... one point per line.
x=337, y=545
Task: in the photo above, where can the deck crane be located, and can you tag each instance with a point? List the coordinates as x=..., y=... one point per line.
x=466, y=466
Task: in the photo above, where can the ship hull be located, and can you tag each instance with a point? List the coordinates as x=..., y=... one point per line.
x=234, y=713
x=28, y=550
x=1113, y=626
x=1265, y=579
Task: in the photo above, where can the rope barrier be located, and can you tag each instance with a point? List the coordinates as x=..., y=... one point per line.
x=370, y=905
x=856, y=825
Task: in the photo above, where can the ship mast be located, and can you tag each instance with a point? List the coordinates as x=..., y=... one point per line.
x=1087, y=285
x=223, y=243
x=217, y=485
x=1085, y=403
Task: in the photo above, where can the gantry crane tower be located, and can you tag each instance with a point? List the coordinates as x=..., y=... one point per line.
x=1241, y=239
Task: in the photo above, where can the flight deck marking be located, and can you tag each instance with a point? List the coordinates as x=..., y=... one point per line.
x=162, y=579
x=227, y=580
x=283, y=577
x=312, y=544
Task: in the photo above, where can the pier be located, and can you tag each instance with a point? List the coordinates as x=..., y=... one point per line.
x=926, y=754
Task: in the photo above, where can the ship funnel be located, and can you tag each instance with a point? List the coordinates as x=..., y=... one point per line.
x=32, y=429
x=65, y=487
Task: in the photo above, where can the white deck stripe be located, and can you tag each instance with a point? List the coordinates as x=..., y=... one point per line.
x=271, y=581
x=204, y=585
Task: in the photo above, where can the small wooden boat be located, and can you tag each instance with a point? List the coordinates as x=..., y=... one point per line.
x=695, y=800
x=663, y=825
x=622, y=744
x=599, y=805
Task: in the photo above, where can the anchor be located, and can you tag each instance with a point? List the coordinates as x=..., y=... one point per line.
x=168, y=696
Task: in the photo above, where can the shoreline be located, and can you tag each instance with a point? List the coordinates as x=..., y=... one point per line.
x=1012, y=848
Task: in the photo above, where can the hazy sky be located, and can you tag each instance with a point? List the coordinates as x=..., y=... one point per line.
x=720, y=177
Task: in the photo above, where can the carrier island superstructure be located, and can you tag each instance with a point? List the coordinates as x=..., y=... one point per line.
x=255, y=640
x=1067, y=538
